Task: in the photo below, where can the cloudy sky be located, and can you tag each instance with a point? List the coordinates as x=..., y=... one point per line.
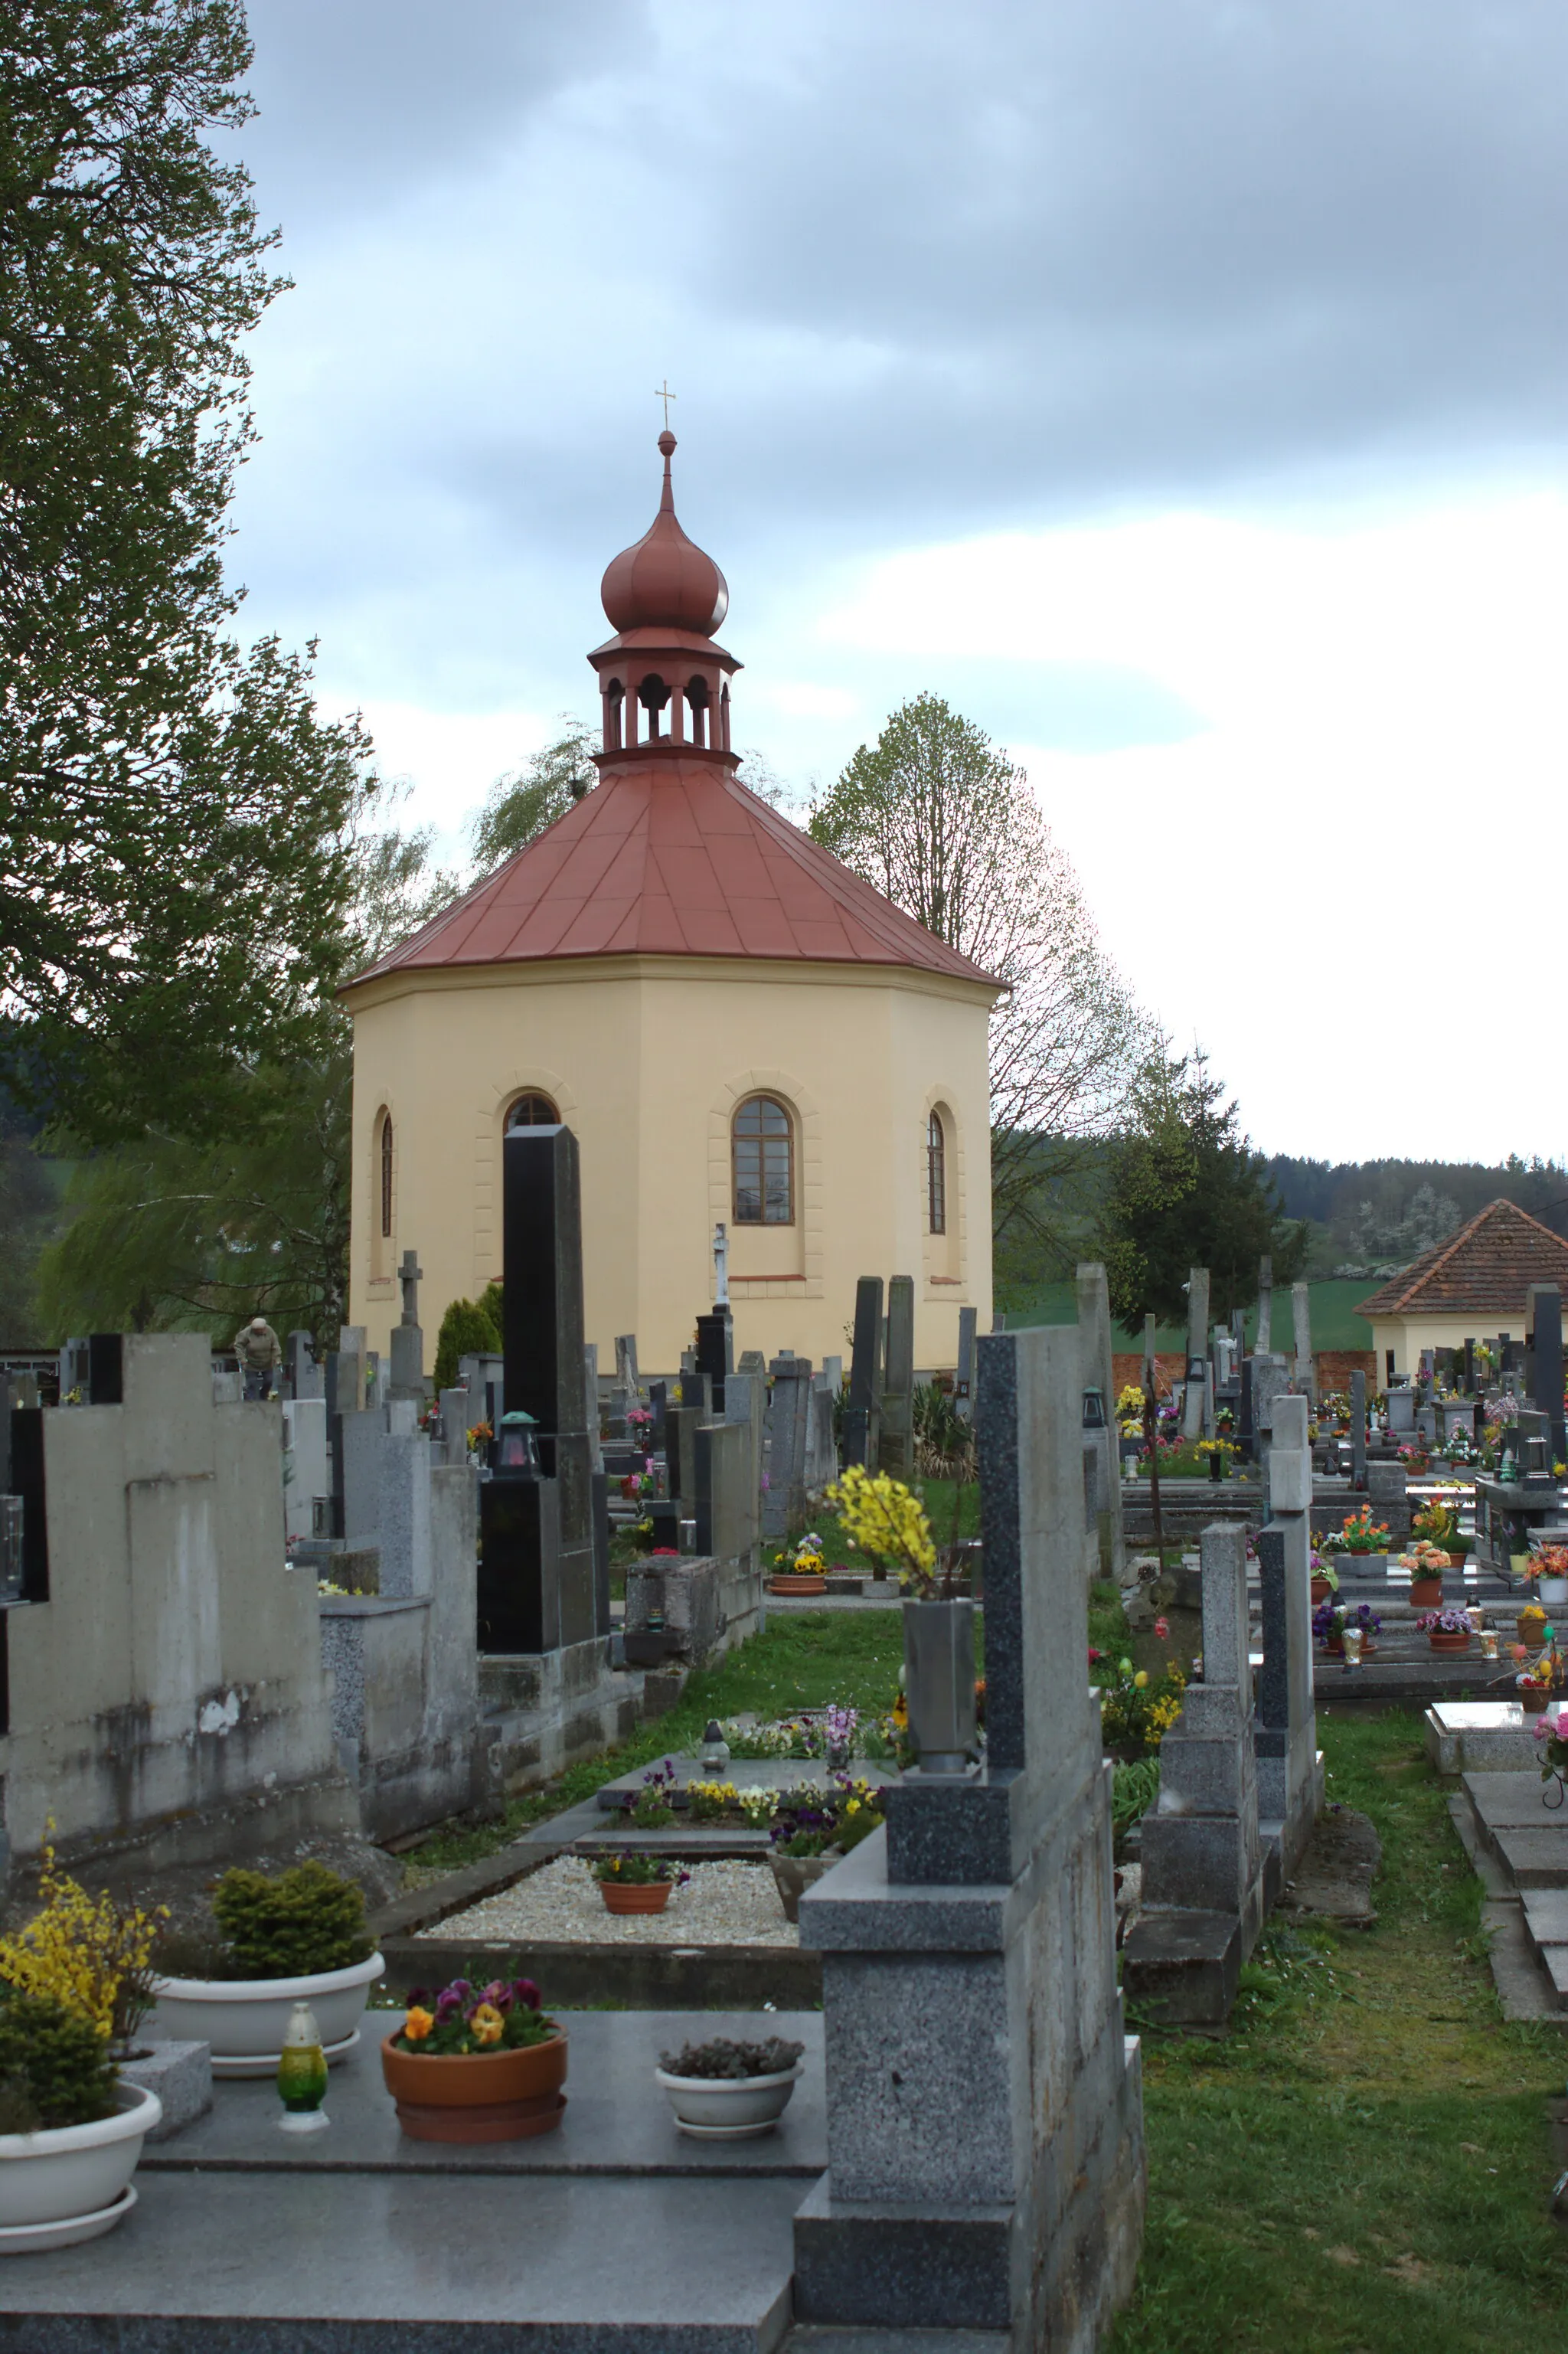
x=1179, y=386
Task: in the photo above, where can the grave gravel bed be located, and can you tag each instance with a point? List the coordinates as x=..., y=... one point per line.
x=724, y=1904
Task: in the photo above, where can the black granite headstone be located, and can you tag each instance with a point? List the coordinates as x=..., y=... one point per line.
x=861, y=1434
x=538, y=1575
x=1246, y=1434
x=715, y=1352
x=1274, y=1676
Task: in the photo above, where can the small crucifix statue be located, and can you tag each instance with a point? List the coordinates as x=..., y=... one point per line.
x=408, y=1274
x=721, y=1267
x=662, y=392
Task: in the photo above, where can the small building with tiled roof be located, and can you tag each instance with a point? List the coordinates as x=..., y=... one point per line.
x=1475, y=1286
x=738, y=1030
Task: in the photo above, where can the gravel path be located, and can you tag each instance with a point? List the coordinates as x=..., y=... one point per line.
x=725, y=1903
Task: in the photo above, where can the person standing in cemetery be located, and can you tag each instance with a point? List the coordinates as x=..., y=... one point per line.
x=261, y=1356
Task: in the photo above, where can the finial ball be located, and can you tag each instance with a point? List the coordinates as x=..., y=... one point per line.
x=667, y=442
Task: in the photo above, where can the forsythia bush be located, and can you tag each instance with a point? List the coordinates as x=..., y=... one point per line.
x=881, y=1516
x=87, y=1953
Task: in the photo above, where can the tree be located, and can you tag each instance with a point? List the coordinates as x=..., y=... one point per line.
x=467, y=1329
x=1186, y=1190
x=945, y=824
x=170, y=804
x=172, y=1231
x=522, y=804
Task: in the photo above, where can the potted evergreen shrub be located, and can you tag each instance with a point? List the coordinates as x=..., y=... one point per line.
x=884, y=1519
x=293, y=1936
x=70, y=2132
x=723, y=2091
x=477, y=2066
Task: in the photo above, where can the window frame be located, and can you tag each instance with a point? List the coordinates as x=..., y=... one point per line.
x=761, y=1140
x=936, y=1172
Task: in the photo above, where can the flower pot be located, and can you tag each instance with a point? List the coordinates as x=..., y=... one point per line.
x=793, y=1874
x=1528, y=1633
x=939, y=1682
x=788, y=1582
x=478, y=2097
x=1426, y=1594
x=644, y=1896
x=1553, y=1592
x=727, y=2108
x=1336, y=1648
x=244, y=2020
x=1533, y=1700
x=73, y=2182
x=1321, y=1589
x=1439, y=1640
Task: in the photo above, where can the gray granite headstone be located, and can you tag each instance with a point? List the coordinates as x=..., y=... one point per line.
x=1264, y=1343
x=785, y=1430
x=1098, y=1374
x=725, y=1499
x=1289, y=1769
x=1301, y=1319
x=1358, y=1428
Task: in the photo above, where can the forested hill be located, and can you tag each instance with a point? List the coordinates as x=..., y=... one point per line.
x=1373, y=1210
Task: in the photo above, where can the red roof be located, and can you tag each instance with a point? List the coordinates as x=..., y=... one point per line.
x=674, y=858
x=1487, y=1268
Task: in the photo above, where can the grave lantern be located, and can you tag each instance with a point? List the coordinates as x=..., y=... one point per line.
x=1094, y=1410
x=515, y=1447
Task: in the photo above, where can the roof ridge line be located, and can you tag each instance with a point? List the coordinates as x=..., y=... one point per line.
x=1443, y=1253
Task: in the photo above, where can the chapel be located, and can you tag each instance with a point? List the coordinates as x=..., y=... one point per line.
x=738, y=1030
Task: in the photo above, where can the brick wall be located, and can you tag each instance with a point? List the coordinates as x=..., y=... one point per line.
x=1334, y=1368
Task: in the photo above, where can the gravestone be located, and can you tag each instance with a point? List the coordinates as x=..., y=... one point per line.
x=682, y=1423
x=964, y=1384
x=984, y=2113
x=1388, y=1497
x=1264, y=1343
x=895, y=1446
x=728, y=1523
x=1202, y=1899
x=863, y=1437
x=307, y=1466
x=304, y=1376
x=1358, y=1428
x=537, y=1586
x=715, y=1352
x=1246, y=1417
x=1301, y=1319
x=483, y=1376
x=1289, y=1764
x=1101, y=1432
x=408, y=1340
x=1195, y=1396
x=1402, y=1412
x=1270, y=1380
x=1546, y=1362
x=627, y=1392
x=454, y=1425
x=784, y=1445
x=822, y=1453
x=590, y=1403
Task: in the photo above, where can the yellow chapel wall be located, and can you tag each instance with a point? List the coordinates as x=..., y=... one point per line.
x=646, y=1059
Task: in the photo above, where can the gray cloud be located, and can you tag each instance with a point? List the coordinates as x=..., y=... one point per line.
x=914, y=269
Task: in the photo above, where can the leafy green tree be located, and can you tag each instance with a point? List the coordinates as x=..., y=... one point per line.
x=1185, y=1189
x=170, y=803
x=943, y=823
x=525, y=800
x=176, y=1232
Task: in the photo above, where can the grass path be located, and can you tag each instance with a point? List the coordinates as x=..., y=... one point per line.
x=1364, y=2166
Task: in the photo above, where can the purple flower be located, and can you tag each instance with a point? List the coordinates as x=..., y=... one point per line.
x=527, y=1995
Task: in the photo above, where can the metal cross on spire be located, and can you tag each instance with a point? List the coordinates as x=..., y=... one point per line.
x=662, y=392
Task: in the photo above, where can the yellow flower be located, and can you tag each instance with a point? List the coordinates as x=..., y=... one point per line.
x=78, y=1948
x=1140, y=1678
x=882, y=1517
x=853, y=1808
x=418, y=2023
x=486, y=2023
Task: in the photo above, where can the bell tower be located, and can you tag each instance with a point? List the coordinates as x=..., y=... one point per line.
x=664, y=683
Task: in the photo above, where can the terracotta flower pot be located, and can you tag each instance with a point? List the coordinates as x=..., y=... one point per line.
x=1321, y=1589
x=480, y=2096
x=641, y=1896
x=1440, y=1641
x=1427, y=1593
x=1336, y=1648
x=788, y=1582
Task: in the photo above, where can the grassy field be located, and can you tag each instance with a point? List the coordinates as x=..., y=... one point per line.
x=1333, y=1324
x=1364, y=2166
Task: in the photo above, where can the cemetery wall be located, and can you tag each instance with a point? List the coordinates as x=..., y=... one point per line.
x=1333, y=1368
x=646, y=1059
x=174, y=1671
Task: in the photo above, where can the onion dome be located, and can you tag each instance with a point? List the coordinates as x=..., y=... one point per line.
x=665, y=581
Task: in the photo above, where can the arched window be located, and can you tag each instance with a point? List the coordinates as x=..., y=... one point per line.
x=385, y=1172
x=763, y=1143
x=532, y=1112
x=935, y=1175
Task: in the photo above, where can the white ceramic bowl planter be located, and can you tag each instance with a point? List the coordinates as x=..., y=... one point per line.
x=728, y=2108
x=72, y=2183
x=244, y=2020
